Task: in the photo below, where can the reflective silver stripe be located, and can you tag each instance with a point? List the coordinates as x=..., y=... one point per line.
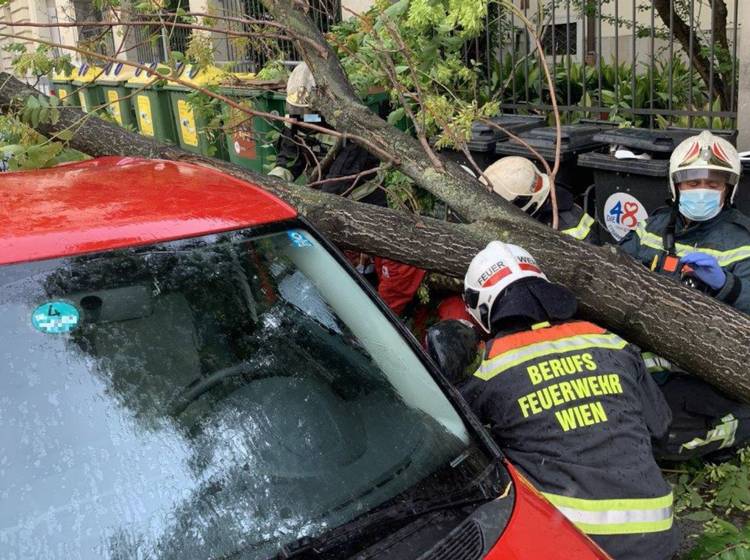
x=724, y=432
x=725, y=258
x=655, y=363
x=612, y=517
x=616, y=517
x=511, y=358
x=582, y=229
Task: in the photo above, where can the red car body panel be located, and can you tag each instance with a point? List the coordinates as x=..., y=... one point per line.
x=538, y=531
x=117, y=202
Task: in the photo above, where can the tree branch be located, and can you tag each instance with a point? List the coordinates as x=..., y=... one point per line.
x=683, y=33
x=614, y=290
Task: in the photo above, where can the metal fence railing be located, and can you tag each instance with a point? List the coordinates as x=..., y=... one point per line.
x=253, y=54
x=655, y=64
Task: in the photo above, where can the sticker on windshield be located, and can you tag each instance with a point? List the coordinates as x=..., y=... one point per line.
x=55, y=317
x=298, y=239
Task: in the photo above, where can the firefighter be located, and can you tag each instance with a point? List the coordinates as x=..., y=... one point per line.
x=702, y=241
x=300, y=150
x=519, y=181
x=571, y=404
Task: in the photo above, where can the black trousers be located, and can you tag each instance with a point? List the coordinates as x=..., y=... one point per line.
x=704, y=420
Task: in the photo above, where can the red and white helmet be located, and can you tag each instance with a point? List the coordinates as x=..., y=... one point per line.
x=705, y=156
x=491, y=271
x=519, y=181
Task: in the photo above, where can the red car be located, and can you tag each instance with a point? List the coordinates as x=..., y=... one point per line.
x=190, y=370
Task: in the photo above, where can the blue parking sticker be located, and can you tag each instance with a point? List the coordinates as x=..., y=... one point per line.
x=55, y=317
x=298, y=239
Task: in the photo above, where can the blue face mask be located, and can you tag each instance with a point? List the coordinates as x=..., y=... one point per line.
x=700, y=205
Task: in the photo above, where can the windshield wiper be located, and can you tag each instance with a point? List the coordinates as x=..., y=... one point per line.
x=315, y=547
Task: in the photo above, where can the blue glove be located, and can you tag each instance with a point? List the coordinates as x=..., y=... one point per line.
x=706, y=268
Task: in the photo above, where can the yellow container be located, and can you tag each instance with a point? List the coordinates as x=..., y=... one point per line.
x=63, y=87
x=151, y=104
x=112, y=82
x=189, y=126
x=90, y=94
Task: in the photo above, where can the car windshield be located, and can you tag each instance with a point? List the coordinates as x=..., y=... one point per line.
x=215, y=397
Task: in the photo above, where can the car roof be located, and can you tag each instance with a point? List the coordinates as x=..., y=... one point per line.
x=115, y=202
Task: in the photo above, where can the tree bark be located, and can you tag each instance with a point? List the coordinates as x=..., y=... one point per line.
x=337, y=101
x=694, y=331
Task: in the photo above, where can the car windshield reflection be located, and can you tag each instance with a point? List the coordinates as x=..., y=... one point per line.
x=204, y=398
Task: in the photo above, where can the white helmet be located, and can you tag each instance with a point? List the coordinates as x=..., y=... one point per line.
x=519, y=181
x=705, y=157
x=491, y=271
x=299, y=86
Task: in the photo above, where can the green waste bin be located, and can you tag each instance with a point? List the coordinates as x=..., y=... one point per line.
x=250, y=140
x=64, y=89
x=151, y=105
x=112, y=82
x=191, y=133
x=89, y=93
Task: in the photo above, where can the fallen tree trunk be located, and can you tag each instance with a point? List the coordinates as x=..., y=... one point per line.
x=694, y=331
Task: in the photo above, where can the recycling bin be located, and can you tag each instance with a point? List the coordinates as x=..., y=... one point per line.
x=575, y=139
x=191, y=127
x=250, y=140
x=742, y=197
x=628, y=187
x=90, y=94
x=484, y=138
x=112, y=82
x=151, y=105
x=63, y=88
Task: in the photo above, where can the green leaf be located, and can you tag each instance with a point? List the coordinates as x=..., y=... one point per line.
x=35, y=114
x=702, y=515
x=394, y=117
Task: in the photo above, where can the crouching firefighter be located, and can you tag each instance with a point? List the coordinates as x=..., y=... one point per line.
x=571, y=404
x=520, y=182
x=702, y=241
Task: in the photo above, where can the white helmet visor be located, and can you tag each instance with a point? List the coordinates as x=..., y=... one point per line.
x=697, y=173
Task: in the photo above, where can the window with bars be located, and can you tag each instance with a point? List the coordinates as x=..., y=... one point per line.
x=561, y=39
x=92, y=37
x=251, y=56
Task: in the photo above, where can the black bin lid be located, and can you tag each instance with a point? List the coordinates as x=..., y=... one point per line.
x=641, y=139
x=484, y=136
x=574, y=139
x=654, y=141
x=606, y=162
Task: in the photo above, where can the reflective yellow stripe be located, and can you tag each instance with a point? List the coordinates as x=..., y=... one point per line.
x=725, y=258
x=655, y=363
x=616, y=517
x=542, y=325
x=724, y=433
x=512, y=358
x=582, y=229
